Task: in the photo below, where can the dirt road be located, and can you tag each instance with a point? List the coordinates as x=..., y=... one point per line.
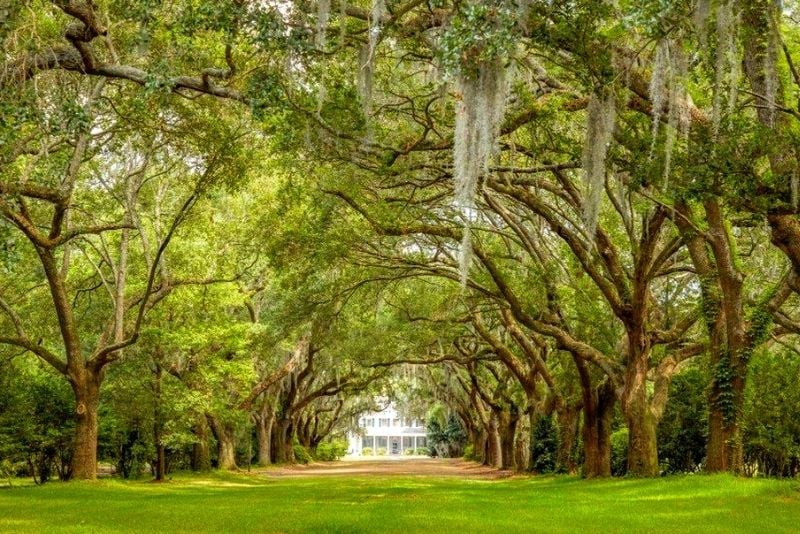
x=449, y=467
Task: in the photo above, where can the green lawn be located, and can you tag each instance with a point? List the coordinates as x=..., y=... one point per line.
x=242, y=503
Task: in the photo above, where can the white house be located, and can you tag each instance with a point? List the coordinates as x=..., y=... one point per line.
x=386, y=431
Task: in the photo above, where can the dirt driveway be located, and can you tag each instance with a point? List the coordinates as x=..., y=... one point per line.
x=448, y=467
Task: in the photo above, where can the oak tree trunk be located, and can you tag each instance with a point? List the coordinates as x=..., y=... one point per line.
x=264, y=437
x=598, y=411
x=87, y=396
x=201, y=456
x=567, y=436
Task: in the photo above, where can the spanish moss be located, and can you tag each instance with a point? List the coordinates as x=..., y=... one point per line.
x=342, y=23
x=600, y=118
x=366, y=57
x=658, y=86
x=323, y=15
x=479, y=115
x=727, y=70
x=700, y=16
x=770, y=67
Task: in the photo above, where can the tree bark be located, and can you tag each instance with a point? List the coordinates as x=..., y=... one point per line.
x=87, y=396
x=201, y=456
x=642, y=445
x=158, y=426
x=264, y=422
x=567, y=436
x=598, y=411
x=282, y=444
x=494, y=456
x=226, y=443
x=507, y=429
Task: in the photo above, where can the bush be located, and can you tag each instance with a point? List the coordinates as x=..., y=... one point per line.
x=330, y=451
x=8, y=471
x=771, y=428
x=366, y=451
x=619, y=452
x=545, y=445
x=683, y=430
x=422, y=451
x=469, y=452
x=408, y=452
x=301, y=455
x=381, y=451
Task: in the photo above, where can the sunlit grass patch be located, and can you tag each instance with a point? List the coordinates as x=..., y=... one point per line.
x=238, y=502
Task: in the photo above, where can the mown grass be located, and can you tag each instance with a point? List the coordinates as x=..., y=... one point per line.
x=223, y=502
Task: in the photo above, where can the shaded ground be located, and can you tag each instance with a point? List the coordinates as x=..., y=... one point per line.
x=447, y=467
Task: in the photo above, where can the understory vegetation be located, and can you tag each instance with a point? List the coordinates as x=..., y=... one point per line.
x=564, y=234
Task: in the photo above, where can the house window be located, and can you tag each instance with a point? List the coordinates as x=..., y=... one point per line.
x=383, y=422
x=368, y=441
x=371, y=421
x=422, y=442
x=396, y=422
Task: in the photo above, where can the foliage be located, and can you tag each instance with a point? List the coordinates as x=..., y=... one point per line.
x=301, y=454
x=35, y=421
x=544, y=446
x=683, y=429
x=469, y=452
x=329, y=451
x=446, y=437
x=772, y=431
x=619, y=452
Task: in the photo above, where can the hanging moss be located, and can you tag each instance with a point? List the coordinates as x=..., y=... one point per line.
x=479, y=115
x=727, y=65
x=323, y=15
x=365, y=79
x=770, y=66
x=658, y=86
x=679, y=119
x=342, y=22
x=366, y=59
x=600, y=118
x=700, y=16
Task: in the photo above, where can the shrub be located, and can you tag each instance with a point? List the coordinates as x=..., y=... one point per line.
x=8, y=470
x=381, y=451
x=619, y=452
x=408, y=452
x=330, y=451
x=301, y=455
x=422, y=451
x=366, y=451
x=682, y=432
x=469, y=452
x=545, y=445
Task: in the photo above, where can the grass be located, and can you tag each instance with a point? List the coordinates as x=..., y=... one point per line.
x=223, y=502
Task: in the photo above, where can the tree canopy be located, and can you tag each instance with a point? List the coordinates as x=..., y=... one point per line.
x=568, y=230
